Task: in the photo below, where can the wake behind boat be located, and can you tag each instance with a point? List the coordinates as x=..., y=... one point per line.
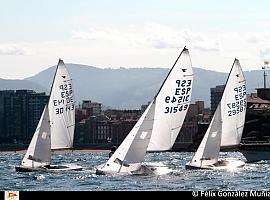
x=156, y=168
x=221, y=164
x=226, y=124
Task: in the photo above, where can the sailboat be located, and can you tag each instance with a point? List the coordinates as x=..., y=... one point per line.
x=227, y=122
x=55, y=129
x=175, y=93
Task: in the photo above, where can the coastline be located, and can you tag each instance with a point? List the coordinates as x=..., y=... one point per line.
x=62, y=150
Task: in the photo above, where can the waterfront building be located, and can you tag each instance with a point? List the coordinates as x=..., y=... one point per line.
x=111, y=126
x=216, y=94
x=95, y=107
x=20, y=112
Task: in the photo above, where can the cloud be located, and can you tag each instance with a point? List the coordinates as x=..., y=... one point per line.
x=151, y=35
x=13, y=49
x=207, y=46
x=163, y=37
x=258, y=37
x=106, y=34
x=215, y=46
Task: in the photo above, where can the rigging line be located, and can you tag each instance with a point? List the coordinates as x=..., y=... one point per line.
x=240, y=126
x=176, y=127
x=187, y=75
x=67, y=80
x=71, y=125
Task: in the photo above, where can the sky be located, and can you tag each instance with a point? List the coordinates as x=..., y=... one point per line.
x=34, y=34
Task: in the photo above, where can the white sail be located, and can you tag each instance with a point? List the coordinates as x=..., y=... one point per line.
x=39, y=150
x=233, y=106
x=62, y=109
x=131, y=152
x=208, y=151
x=173, y=101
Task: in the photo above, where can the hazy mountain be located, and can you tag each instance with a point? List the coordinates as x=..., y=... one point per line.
x=118, y=88
x=128, y=88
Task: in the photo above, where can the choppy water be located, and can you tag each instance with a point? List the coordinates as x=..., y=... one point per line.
x=253, y=176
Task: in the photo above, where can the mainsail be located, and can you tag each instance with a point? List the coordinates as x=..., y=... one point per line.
x=62, y=109
x=173, y=101
x=233, y=106
x=39, y=150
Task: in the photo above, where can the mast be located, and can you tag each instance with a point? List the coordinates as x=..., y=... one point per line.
x=50, y=96
x=264, y=77
x=266, y=66
x=54, y=77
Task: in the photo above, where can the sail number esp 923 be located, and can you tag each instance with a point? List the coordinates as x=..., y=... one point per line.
x=181, y=97
x=65, y=101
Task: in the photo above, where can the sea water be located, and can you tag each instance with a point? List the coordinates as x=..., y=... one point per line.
x=253, y=176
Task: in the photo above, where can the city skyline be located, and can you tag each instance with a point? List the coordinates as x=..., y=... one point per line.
x=115, y=34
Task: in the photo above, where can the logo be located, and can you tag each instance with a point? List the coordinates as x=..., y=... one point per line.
x=11, y=195
x=184, y=70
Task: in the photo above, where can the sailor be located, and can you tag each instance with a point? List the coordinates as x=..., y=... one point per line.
x=113, y=149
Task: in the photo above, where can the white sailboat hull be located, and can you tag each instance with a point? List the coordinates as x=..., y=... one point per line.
x=117, y=169
x=222, y=164
x=100, y=171
x=49, y=168
x=142, y=169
